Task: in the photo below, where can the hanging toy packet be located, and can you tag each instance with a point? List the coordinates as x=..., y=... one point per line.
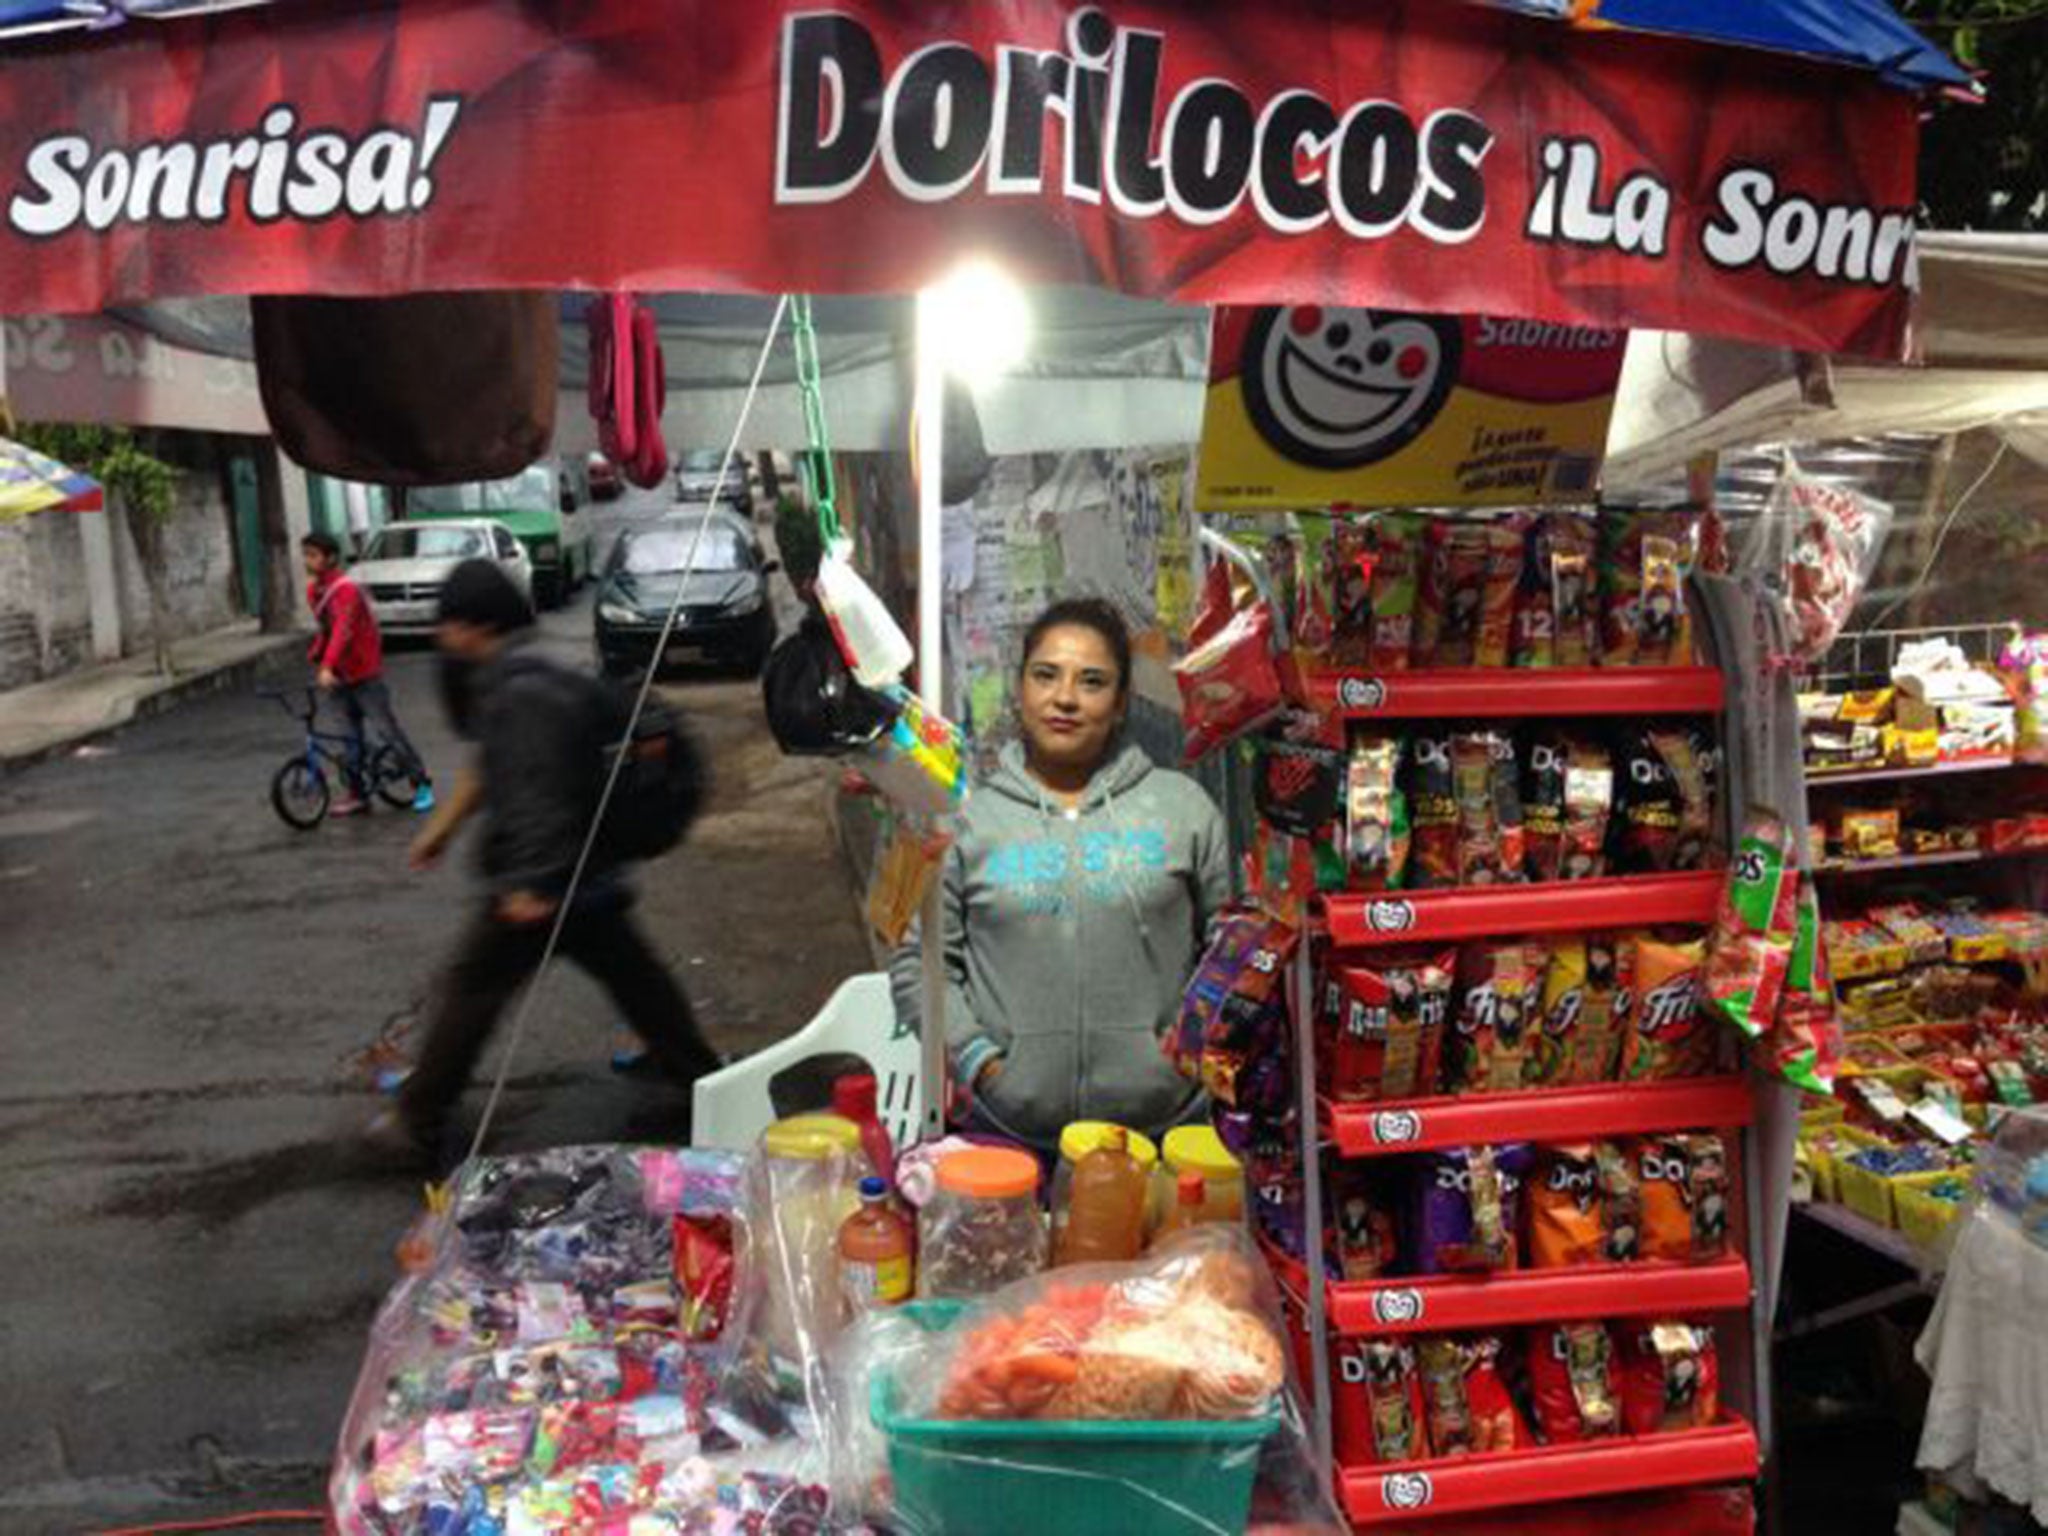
x=1751, y=945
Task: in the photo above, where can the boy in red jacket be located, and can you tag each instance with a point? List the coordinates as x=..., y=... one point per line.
x=348, y=653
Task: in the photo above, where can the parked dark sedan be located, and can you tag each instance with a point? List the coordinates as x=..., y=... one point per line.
x=724, y=613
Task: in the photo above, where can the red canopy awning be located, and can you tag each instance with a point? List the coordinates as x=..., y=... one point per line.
x=1407, y=154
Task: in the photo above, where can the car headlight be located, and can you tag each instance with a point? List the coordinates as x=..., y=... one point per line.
x=751, y=603
x=617, y=613
x=546, y=549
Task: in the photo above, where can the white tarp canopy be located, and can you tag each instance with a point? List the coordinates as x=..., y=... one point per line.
x=1981, y=333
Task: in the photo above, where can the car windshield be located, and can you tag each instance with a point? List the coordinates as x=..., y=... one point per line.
x=665, y=551
x=428, y=544
x=701, y=461
x=531, y=490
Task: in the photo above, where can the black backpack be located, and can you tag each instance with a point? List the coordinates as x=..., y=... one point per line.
x=662, y=783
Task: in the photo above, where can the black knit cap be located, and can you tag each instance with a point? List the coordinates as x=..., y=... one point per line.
x=478, y=592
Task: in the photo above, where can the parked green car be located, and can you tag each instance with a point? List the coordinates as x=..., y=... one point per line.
x=542, y=508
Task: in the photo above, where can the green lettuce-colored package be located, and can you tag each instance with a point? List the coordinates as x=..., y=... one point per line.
x=1805, y=1043
x=1755, y=927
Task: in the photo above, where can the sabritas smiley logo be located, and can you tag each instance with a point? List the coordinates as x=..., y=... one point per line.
x=1338, y=388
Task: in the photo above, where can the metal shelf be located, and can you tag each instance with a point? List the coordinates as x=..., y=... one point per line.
x=1453, y=1303
x=1922, y=860
x=1390, y=1495
x=1853, y=776
x=1356, y=920
x=1539, y=1114
x=1518, y=692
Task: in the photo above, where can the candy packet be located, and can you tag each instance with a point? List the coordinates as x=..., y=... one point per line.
x=1490, y=1047
x=1751, y=943
x=1669, y=1034
x=1574, y=1383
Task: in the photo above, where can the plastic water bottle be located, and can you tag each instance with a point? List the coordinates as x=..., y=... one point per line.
x=873, y=643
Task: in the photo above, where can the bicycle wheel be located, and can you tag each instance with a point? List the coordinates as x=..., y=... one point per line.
x=398, y=783
x=299, y=795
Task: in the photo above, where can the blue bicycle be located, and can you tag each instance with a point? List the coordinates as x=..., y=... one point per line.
x=302, y=789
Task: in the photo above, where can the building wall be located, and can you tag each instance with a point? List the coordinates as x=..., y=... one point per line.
x=45, y=623
x=203, y=590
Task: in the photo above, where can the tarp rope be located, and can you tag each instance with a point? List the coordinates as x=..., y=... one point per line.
x=604, y=799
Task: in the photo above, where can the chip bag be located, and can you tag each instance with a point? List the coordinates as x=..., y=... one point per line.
x=1689, y=775
x=1670, y=1378
x=1574, y=1383
x=1588, y=807
x=1805, y=1044
x=1377, y=834
x=1651, y=808
x=1432, y=811
x=1363, y=1243
x=1489, y=1048
x=1606, y=1012
x=1490, y=845
x=1466, y=1404
x=1566, y=1227
x=1394, y=1392
x=1385, y=1026
x=1467, y=1205
x=1298, y=786
x=1545, y=757
x=1669, y=1034
x=1561, y=1012
x=1554, y=613
x=1684, y=1197
x=1751, y=943
x=1645, y=557
x=1230, y=677
x=1240, y=971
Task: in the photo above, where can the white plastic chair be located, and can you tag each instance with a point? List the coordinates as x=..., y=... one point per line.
x=732, y=1107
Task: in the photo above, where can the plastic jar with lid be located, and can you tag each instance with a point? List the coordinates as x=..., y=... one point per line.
x=813, y=1165
x=1198, y=1149
x=1079, y=1139
x=982, y=1227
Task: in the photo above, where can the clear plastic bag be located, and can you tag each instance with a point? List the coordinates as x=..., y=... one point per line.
x=1092, y=1400
x=1814, y=549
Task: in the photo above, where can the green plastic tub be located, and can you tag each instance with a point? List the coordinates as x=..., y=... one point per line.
x=977, y=1477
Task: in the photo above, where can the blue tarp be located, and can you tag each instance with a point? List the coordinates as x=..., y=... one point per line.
x=1868, y=34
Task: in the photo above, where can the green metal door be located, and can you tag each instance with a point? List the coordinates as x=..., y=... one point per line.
x=248, y=532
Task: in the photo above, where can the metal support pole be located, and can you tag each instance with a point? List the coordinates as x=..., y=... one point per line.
x=1301, y=995
x=931, y=586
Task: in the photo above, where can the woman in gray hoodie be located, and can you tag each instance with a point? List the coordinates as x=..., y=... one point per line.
x=1075, y=898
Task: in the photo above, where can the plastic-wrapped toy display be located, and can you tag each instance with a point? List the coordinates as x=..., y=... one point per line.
x=561, y=1360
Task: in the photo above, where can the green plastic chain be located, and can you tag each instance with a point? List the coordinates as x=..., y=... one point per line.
x=816, y=461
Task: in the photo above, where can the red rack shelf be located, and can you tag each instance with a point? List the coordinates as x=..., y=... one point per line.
x=1453, y=1303
x=1374, y=1496
x=1565, y=906
x=1520, y=692
x=1539, y=1114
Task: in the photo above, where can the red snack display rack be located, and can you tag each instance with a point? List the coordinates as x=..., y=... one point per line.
x=1424, y=1496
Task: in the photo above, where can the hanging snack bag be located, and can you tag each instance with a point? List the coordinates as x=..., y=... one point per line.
x=1490, y=1047
x=1454, y=592
x=1680, y=751
x=1492, y=643
x=1553, y=1040
x=1466, y=1403
x=1645, y=557
x=1670, y=1378
x=1394, y=1394
x=1239, y=942
x=1621, y=1203
x=1363, y=1243
x=1467, y=1205
x=1298, y=786
x=1684, y=1197
x=1431, y=792
x=1669, y=1034
x=1396, y=542
x=1651, y=811
x=1574, y=1383
x=1751, y=945
x=1230, y=677
x=1376, y=825
x=1349, y=565
x=1565, y=1223
x=1805, y=1044
x=1588, y=809
x=1554, y=616
x=1385, y=1024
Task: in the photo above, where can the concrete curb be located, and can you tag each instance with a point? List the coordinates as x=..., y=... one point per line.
x=199, y=683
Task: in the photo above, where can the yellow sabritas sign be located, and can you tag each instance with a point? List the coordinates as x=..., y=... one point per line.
x=1317, y=406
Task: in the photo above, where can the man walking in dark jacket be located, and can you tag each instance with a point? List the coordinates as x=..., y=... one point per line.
x=541, y=731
